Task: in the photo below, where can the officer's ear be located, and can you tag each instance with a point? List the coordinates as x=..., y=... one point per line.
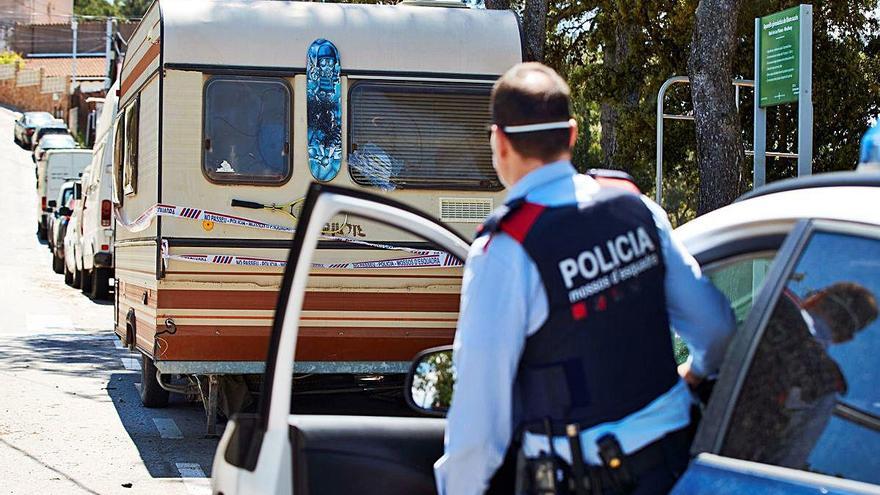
x=573, y=133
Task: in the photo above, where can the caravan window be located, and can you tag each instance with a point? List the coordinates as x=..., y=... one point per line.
x=247, y=124
x=420, y=135
x=118, y=153
x=130, y=168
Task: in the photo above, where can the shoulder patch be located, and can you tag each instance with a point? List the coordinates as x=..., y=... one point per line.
x=520, y=222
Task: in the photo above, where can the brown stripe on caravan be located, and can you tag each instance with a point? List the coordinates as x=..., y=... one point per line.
x=151, y=54
x=250, y=343
x=314, y=301
x=334, y=275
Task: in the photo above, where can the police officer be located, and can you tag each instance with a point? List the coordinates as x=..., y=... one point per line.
x=567, y=301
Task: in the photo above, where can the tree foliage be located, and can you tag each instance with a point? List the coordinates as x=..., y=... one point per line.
x=130, y=9
x=657, y=36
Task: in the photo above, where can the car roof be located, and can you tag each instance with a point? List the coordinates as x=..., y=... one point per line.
x=832, y=179
x=53, y=125
x=52, y=137
x=775, y=212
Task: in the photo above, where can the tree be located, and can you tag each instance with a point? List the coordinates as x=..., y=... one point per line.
x=720, y=153
x=98, y=8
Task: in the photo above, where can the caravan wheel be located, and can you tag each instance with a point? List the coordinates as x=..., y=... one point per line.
x=152, y=394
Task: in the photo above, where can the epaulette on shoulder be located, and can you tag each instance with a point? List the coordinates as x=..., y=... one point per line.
x=492, y=224
x=614, y=178
x=515, y=219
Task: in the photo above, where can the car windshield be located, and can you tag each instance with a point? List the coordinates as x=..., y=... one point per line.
x=57, y=141
x=39, y=118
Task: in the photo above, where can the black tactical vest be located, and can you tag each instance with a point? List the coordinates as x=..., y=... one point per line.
x=605, y=350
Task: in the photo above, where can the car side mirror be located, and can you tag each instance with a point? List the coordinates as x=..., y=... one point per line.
x=52, y=203
x=430, y=381
x=65, y=211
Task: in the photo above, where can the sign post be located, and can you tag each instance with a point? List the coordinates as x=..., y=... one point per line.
x=783, y=75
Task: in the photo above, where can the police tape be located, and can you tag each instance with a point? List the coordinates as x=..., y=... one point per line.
x=436, y=259
x=142, y=222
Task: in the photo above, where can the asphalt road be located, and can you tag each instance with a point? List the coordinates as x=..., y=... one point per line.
x=71, y=420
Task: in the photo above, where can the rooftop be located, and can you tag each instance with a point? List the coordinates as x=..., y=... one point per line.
x=63, y=66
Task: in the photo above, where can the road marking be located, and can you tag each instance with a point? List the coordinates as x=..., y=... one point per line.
x=131, y=364
x=194, y=479
x=167, y=428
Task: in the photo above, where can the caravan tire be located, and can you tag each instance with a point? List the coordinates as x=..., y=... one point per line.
x=100, y=283
x=86, y=282
x=57, y=264
x=152, y=394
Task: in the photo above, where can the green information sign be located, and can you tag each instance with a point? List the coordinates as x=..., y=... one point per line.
x=779, y=48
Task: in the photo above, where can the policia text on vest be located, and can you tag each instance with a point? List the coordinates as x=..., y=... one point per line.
x=634, y=248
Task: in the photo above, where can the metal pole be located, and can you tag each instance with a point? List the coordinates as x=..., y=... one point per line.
x=107, y=47
x=759, y=165
x=661, y=96
x=805, y=92
x=73, y=26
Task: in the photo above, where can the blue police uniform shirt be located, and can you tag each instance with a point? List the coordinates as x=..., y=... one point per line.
x=503, y=302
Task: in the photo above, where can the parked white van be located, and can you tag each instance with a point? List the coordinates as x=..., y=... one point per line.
x=96, y=242
x=52, y=170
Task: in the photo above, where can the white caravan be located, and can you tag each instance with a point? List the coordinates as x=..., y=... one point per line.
x=96, y=243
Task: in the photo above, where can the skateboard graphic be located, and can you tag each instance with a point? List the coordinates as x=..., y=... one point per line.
x=324, y=112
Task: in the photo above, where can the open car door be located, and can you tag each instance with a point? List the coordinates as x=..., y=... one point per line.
x=276, y=452
x=796, y=406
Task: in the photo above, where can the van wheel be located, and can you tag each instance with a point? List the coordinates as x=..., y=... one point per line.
x=77, y=279
x=152, y=395
x=68, y=277
x=100, y=283
x=58, y=265
x=86, y=282
x=41, y=232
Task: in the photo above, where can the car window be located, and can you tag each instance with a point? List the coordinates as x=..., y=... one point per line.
x=57, y=141
x=421, y=316
x=247, y=124
x=810, y=399
x=740, y=279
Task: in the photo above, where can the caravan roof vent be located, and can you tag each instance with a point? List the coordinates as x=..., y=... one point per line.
x=449, y=4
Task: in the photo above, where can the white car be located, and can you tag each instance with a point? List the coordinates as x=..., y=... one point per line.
x=785, y=243
x=72, y=258
x=96, y=243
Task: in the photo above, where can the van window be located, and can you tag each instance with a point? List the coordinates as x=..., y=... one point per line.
x=118, y=152
x=420, y=135
x=130, y=168
x=247, y=129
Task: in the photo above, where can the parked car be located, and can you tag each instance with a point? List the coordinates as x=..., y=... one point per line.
x=52, y=171
x=53, y=142
x=55, y=127
x=62, y=199
x=96, y=244
x=25, y=126
x=793, y=410
x=72, y=268
x=58, y=220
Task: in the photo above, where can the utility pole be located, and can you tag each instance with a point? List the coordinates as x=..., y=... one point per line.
x=73, y=27
x=108, y=43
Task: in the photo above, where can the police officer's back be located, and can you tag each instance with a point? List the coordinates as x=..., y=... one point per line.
x=564, y=329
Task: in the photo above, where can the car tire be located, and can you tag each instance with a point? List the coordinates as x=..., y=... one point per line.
x=152, y=394
x=57, y=263
x=77, y=279
x=41, y=232
x=68, y=277
x=86, y=281
x=100, y=288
